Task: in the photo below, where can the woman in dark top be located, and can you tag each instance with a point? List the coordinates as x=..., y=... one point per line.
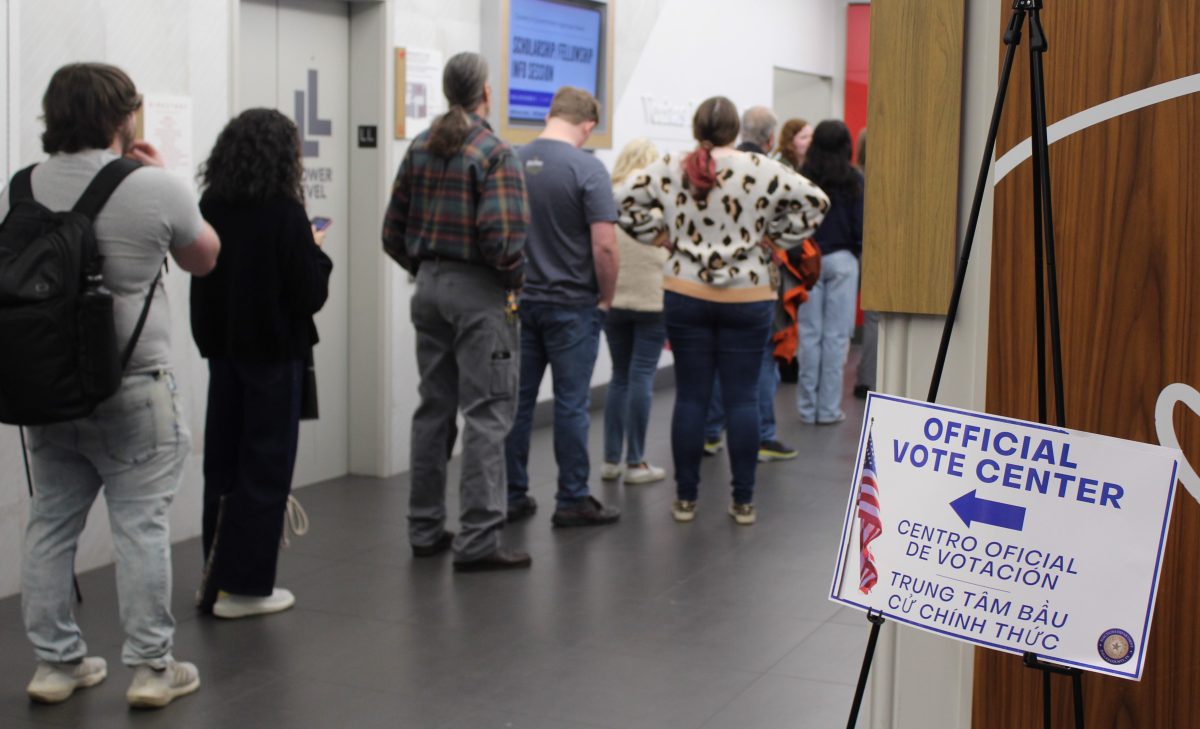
x=826, y=320
x=252, y=320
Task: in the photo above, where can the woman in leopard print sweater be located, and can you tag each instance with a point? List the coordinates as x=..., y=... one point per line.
x=719, y=206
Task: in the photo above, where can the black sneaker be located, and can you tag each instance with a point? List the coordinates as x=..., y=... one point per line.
x=501, y=559
x=773, y=450
x=523, y=509
x=589, y=513
x=441, y=544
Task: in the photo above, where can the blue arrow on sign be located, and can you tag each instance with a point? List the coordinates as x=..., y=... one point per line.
x=971, y=508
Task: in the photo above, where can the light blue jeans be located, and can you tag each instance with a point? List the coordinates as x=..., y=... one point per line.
x=134, y=445
x=825, y=323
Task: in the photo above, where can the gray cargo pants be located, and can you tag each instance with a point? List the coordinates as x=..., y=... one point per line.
x=467, y=355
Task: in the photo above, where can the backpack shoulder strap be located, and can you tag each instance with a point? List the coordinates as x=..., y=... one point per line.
x=102, y=186
x=22, y=186
x=141, y=322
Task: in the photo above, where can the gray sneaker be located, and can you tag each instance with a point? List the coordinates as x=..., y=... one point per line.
x=55, y=682
x=154, y=689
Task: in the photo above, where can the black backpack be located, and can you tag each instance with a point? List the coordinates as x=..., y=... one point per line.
x=60, y=357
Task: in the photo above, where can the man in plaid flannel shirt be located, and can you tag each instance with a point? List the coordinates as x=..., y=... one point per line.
x=457, y=222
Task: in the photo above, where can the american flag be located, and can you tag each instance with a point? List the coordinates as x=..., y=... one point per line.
x=870, y=524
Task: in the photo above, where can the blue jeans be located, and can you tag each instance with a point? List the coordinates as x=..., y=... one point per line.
x=568, y=340
x=635, y=341
x=134, y=445
x=825, y=323
x=768, y=383
x=714, y=341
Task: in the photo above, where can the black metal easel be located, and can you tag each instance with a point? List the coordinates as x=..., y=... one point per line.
x=1046, y=288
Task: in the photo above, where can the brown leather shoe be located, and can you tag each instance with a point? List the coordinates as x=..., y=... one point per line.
x=501, y=559
x=441, y=544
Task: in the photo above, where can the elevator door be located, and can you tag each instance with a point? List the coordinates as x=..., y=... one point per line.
x=293, y=55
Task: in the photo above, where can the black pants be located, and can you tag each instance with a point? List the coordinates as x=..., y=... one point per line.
x=250, y=438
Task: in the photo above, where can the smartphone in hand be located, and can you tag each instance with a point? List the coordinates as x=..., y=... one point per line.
x=319, y=224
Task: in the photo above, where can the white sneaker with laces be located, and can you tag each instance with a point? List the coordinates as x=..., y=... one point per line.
x=644, y=473
x=243, y=606
x=55, y=682
x=611, y=471
x=154, y=689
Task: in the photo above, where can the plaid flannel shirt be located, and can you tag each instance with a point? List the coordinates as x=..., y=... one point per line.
x=470, y=207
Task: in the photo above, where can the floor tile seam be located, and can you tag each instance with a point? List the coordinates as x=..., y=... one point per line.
x=746, y=689
x=823, y=681
x=807, y=635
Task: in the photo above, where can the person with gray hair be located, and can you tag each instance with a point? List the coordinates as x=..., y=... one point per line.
x=758, y=137
x=457, y=222
x=758, y=130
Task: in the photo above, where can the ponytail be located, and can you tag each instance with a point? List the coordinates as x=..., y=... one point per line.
x=700, y=170
x=448, y=133
x=715, y=124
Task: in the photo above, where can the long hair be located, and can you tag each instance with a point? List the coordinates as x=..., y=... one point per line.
x=860, y=156
x=463, y=82
x=828, y=160
x=256, y=158
x=786, y=148
x=715, y=124
x=85, y=105
x=637, y=155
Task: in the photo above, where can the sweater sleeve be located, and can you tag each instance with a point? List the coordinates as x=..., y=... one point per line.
x=306, y=268
x=799, y=208
x=637, y=198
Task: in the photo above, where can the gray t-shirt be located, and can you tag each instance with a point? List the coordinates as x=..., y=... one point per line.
x=151, y=211
x=568, y=191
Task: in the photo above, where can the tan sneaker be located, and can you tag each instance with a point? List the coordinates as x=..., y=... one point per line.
x=743, y=514
x=55, y=682
x=683, y=511
x=154, y=689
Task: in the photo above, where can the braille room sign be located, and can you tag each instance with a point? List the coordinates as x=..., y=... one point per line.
x=1007, y=534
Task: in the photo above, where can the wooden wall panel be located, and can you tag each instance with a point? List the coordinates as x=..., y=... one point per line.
x=914, y=114
x=1127, y=222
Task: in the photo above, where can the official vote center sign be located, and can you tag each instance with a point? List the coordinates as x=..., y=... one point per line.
x=1007, y=534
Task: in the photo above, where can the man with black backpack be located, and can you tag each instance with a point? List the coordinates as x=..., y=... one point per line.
x=86, y=365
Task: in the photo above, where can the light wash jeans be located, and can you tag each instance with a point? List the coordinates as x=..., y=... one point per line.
x=826, y=322
x=635, y=341
x=134, y=445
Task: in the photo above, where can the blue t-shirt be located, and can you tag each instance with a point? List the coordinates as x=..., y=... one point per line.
x=569, y=190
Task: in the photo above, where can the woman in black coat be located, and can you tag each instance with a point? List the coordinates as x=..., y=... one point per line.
x=252, y=320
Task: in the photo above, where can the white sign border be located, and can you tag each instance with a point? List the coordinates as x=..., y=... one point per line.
x=847, y=532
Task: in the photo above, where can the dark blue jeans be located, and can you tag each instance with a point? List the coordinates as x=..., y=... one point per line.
x=768, y=383
x=635, y=341
x=250, y=437
x=716, y=341
x=567, y=339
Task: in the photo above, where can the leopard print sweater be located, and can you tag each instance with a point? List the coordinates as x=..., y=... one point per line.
x=717, y=253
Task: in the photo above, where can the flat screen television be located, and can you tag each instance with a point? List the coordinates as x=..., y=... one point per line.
x=538, y=46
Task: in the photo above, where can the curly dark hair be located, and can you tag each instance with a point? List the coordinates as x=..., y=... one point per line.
x=256, y=158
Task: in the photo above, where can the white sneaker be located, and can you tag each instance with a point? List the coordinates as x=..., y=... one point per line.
x=611, y=471
x=644, y=473
x=55, y=682
x=241, y=606
x=154, y=689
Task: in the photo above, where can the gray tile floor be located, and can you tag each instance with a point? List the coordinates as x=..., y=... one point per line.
x=648, y=624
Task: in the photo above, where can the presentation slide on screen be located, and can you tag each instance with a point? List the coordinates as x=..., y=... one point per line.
x=551, y=45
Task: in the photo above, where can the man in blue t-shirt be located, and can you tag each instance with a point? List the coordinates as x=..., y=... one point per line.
x=570, y=277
